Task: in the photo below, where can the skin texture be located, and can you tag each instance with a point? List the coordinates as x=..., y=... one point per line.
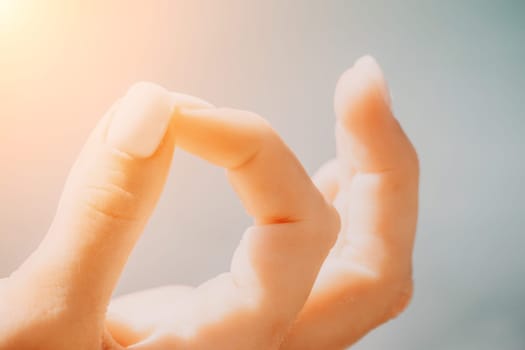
x=324, y=262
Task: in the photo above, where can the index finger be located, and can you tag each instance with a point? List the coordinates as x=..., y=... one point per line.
x=279, y=257
x=269, y=179
x=277, y=261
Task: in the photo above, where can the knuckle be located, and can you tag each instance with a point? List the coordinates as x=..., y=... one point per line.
x=261, y=128
x=321, y=229
x=328, y=222
x=258, y=127
x=258, y=135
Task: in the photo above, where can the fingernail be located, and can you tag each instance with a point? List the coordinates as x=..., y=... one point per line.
x=142, y=119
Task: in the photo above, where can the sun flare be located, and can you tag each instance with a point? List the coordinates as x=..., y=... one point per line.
x=7, y=8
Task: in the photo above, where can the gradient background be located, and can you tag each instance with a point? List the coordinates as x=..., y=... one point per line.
x=457, y=74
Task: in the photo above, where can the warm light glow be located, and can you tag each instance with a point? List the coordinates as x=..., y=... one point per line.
x=7, y=12
x=5, y=7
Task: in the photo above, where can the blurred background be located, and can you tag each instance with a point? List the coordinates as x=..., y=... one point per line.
x=457, y=75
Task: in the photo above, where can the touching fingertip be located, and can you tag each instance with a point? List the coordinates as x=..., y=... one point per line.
x=143, y=115
x=140, y=120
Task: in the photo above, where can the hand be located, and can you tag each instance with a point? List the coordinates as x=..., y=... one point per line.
x=58, y=298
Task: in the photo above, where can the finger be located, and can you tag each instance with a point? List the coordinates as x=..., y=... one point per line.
x=279, y=257
x=109, y=195
x=272, y=184
x=326, y=179
x=270, y=181
x=382, y=191
x=273, y=268
x=368, y=278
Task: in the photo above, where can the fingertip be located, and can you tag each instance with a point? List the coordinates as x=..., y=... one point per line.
x=369, y=136
x=141, y=120
x=362, y=94
x=371, y=67
x=143, y=116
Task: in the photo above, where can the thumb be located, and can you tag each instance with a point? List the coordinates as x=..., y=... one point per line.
x=109, y=195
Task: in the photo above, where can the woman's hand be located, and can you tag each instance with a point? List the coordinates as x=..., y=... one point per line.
x=58, y=298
